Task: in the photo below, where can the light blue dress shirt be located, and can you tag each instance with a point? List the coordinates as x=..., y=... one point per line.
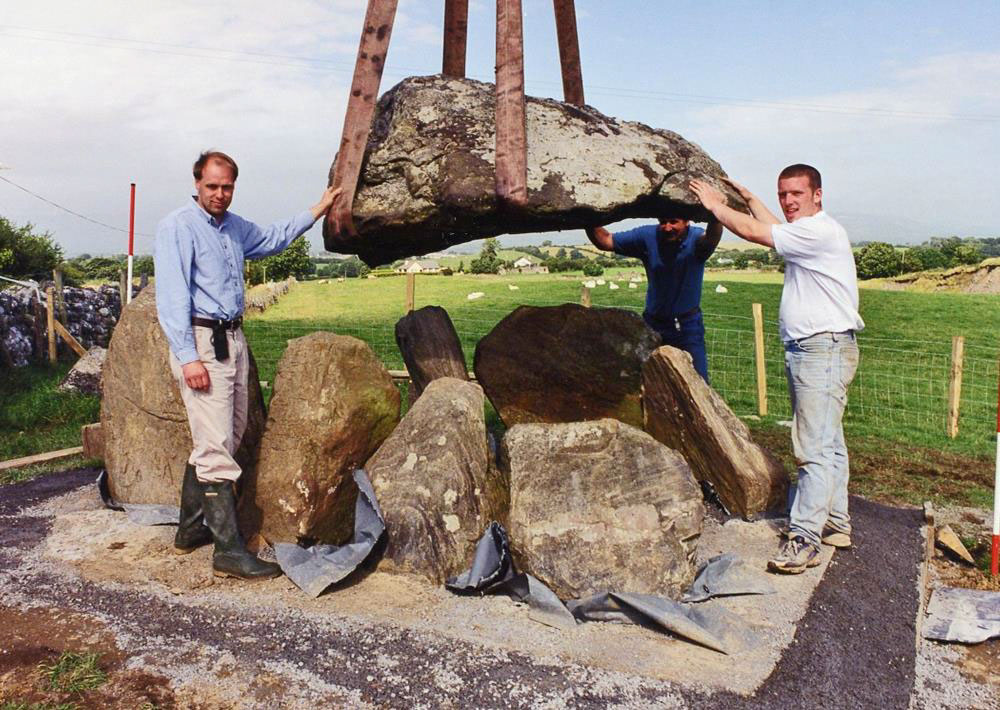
x=199, y=267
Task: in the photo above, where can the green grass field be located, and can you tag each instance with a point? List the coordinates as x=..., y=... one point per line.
x=900, y=392
x=899, y=395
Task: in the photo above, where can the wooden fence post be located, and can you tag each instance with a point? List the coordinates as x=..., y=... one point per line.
x=585, y=297
x=955, y=384
x=38, y=328
x=57, y=278
x=122, y=285
x=50, y=324
x=411, y=287
x=758, y=341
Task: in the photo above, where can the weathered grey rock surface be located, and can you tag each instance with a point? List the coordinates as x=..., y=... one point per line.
x=334, y=403
x=683, y=412
x=146, y=436
x=435, y=483
x=85, y=375
x=565, y=364
x=428, y=177
x=601, y=505
x=430, y=347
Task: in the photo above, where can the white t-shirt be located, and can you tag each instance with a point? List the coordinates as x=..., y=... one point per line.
x=821, y=284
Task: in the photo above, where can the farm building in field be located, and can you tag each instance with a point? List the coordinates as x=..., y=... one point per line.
x=525, y=265
x=419, y=266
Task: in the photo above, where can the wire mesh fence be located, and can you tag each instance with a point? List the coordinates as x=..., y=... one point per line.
x=902, y=389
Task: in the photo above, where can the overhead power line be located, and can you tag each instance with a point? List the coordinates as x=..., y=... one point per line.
x=311, y=62
x=67, y=209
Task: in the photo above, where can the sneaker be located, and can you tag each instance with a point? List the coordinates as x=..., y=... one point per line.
x=835, y=538
x=831, y=537
x=795, y=556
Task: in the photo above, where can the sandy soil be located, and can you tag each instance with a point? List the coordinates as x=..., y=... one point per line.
x=75, y=576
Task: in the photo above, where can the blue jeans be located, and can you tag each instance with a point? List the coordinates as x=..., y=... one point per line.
x=690, y=338
x=819, y=370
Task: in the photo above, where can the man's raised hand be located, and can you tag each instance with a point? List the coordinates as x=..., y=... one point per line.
x=328, y=198
x=709, y=196
x=744, y=192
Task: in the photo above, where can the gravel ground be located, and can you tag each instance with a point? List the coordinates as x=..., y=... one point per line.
x=854, y=648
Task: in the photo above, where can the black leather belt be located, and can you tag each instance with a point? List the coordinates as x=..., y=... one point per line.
x=219, y=327
x=681, y=316
x=224, y=324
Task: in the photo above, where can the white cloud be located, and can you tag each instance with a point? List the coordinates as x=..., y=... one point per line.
x=102, y=102
x=921, y=144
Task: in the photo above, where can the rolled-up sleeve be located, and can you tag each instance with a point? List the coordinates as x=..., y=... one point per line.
x=259, y=242
x=173, y=257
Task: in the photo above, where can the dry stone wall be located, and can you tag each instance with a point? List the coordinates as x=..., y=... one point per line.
x=91, y=318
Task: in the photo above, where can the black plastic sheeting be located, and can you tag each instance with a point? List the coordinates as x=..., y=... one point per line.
x=316, y=568
x=492, y=572
x=138, y=513
x=312, y=569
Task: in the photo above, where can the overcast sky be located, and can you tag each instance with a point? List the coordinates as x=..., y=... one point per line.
x=897, y=103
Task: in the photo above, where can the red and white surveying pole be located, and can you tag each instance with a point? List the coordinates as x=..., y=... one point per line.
x=131, y=240
x=995, y=548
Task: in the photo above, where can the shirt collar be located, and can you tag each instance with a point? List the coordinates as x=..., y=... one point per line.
x=195, y=207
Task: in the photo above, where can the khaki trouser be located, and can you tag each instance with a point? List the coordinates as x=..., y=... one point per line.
x=217, y=416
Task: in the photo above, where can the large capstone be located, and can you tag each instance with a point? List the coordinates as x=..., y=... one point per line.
x=683, y=412
x=147, y=440
x=334, y=403
x=428, y=178
x=565, y=364
x=435, y=484
x=601, y=506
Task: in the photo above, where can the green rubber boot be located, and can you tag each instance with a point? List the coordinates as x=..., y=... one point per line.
x=231, y=557
x=191, y=530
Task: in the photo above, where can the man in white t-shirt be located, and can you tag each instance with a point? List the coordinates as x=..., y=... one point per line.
x=818, y=321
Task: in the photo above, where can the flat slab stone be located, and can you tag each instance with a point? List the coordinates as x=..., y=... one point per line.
x=428, y=176
x=430, y=347
x=565, y=364
x=334, y=403
x=435, y=483
x=685, y=413
x=601, y=506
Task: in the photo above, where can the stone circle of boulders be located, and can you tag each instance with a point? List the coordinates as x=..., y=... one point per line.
x=146, y=436
x=683, y=412
x=592, y=502
x=334, y=403
x=428, y=176
x=435, y=484
x=601, y=505
x=565, y=363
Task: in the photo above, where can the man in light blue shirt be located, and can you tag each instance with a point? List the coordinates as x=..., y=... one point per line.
x=199, y=256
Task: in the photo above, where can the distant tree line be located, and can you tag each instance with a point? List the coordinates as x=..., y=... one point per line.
x=352, y=267
x=746, y=259
x=880, y=259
